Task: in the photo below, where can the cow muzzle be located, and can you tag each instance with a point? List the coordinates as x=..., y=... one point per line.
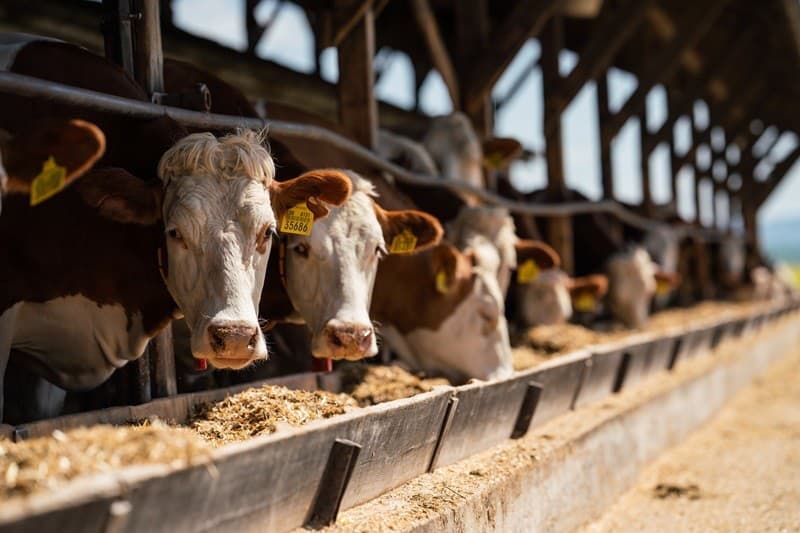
x=345, y=340
x=235, y=344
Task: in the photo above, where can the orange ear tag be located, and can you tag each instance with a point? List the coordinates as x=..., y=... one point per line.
x=298, y=220
x=403, y=243
x=527, y=272
x=662, y=287
x=49, y=182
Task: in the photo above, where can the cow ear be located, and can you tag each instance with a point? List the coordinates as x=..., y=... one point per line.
x=121, y=196
x=315, y=187
x=499, y=152
x=421, y=230
x=666, y=281
x=70, y=147
x=543, y=256
x=447, y=266
x=595, y=285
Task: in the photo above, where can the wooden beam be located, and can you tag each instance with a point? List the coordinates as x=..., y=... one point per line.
x=647, y=185
x=255, y=31
x=358, y=112
x=777, y=175
x=606, y=167
x=472, y=39
x=440, y=57
x=664, y=64
x=149, y=51
x=525, y=21
x=611, y=31
x=118, y=33
x=347, y=15
x=673, y=168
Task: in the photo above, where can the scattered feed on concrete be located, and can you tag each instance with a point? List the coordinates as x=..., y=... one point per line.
x=46, y=463
x=257, y=411
x=370, y=385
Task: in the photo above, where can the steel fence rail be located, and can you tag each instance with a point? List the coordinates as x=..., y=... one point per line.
x=36, y=88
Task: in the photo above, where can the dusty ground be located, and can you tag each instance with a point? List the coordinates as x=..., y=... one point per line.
x=739, y=473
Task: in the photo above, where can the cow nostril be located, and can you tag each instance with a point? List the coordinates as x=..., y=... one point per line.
x=217, y=338
x=251, y=345
x=336, y=340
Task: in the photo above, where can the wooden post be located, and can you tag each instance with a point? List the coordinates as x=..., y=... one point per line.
x=673, y=169
x=358, y=111
x=749, y=210
x=559, y=228
x=606, y=169
x=149, y=52
x=647, y=186
x=440, y=57
x=118, y=34
x=472, y=37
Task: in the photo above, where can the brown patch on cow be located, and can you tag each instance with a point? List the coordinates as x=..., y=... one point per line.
x=423, y=226
x=75, y=145
x=542, y=254
x=595, y=285
x=405, y=294
x=325, y=185
x=500, y=152
x=119, y=196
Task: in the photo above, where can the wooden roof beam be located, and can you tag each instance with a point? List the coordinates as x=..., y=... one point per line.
x=524, y=22
x=613, y=29
x=664, y=65
x=777, y=175
x=440, y=57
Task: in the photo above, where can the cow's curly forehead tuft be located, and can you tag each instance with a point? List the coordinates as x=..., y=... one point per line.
x=239, y=155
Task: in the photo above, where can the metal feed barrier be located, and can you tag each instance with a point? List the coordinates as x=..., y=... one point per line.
x=303, y=476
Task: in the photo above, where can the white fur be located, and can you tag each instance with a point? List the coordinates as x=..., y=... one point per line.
x=471, y=343
x=546, y=300
x=335, y=281
x=452, y=142
x=76, y=339
x=631, y=286
x=217, y=197
x=488, y=232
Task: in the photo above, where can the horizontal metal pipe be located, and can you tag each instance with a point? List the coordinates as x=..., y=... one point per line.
x=36, y=88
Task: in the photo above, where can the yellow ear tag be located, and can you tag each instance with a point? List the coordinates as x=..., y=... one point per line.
x=584, y=302
x=49, y=181
x=494, y=161
x=298, y=220
x=442, y=284
x=403, y=243
x=527, y=272
x=662, y=287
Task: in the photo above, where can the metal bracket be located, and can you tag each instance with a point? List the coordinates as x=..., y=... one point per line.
x=19, y=434
x=118, y=513
x=332, y=486
x=528, y=408
x=449, y=413
x=622, y=372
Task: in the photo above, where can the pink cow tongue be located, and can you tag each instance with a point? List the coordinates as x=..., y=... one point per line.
x=321, y=365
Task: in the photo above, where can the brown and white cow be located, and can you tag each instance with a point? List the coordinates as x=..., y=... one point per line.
x=82, y=297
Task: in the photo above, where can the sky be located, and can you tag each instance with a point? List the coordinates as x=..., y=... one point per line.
x=289, y=42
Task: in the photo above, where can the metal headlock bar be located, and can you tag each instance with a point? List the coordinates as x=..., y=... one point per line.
x=36, y=88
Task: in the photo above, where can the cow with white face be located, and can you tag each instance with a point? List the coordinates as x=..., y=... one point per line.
x=211, y=220
x=328, y=275
x=632, y=285
x=443, y=315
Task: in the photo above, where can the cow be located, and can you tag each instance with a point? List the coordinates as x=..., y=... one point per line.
x=212, y=214
x=325, y=279
x=48, y=157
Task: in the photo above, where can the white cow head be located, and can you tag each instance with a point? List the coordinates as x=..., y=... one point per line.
x=487, y=232
x=663, y=246
x=331, y=272
x=220, y=212
x=56, y=151
x=632, y=285
x=461, y=155
x=542, y=288
x=444, y=315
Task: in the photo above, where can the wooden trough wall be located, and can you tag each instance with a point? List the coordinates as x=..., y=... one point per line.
x=305, y=475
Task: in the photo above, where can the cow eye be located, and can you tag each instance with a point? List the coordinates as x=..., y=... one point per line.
x=265, y=238
x=173, y=233
x=301, y=249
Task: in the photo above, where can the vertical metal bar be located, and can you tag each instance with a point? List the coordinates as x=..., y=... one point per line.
x=341, y=463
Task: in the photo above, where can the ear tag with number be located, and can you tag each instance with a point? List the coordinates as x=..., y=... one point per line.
x=49, y=182
x=298, y=220
x=585, y=302
x=403, y=243
x=527, y=272
x=442, y=283
x=662, y=287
